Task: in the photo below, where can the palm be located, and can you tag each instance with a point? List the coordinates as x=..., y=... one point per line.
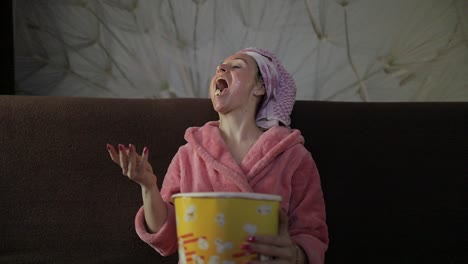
x=135, y=167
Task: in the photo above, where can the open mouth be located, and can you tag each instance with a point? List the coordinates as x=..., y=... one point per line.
x=221, y=85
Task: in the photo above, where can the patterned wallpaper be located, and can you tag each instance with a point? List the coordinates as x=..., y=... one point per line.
x=337, y=50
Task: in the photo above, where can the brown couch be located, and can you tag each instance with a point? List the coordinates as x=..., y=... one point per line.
x=393, y=175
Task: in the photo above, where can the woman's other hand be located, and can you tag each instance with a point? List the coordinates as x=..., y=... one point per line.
x=275, y=249
x=134, y=166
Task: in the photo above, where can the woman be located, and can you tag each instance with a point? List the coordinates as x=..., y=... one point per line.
x=250, y=149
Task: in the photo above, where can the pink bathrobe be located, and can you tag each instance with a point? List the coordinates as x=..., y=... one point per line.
x=278, y=163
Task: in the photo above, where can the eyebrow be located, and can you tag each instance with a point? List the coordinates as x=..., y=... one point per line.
x=238, y=58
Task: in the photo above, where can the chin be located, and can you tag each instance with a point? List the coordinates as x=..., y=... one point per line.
x=218, y=108
x=215, y=104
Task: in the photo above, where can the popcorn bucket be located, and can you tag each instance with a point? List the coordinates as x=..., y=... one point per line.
x=212, y=226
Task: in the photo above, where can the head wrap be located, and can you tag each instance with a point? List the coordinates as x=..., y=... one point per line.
x=280, y=89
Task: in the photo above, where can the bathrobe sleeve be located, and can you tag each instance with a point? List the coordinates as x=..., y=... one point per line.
x=165, y=240
x=307, y=223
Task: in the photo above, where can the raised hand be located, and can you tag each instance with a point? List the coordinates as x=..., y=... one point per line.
x=134, y=166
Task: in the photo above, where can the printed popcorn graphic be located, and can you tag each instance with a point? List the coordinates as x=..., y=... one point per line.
x=182, y=258
x=198, y=259
x=250, y=229
x=213, y=232
x=223, y=246
x=203, y=244
x=264, y=209
x=190, y=213
x=189, y=244
x=220, y=219
x=214, y=260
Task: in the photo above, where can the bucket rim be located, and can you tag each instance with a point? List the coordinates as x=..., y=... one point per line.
x=245, y=195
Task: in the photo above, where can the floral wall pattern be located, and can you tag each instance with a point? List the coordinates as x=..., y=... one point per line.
x=337, y=50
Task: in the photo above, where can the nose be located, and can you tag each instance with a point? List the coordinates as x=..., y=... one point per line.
x=221, y=68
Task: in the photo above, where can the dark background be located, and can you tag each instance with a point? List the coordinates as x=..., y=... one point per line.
x=7, y=48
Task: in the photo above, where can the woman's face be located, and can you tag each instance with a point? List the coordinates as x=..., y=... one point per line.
x=233, y=85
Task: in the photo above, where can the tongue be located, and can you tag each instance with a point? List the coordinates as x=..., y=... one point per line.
x=221, y=84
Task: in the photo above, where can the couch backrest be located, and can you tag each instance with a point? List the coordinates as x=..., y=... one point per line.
x=393, y=176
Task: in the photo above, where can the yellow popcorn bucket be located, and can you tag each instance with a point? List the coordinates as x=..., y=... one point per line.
x=212, y=226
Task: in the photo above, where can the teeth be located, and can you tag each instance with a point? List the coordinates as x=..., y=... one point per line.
x=218, y=92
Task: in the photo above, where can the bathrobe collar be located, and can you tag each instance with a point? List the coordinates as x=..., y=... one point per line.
x=210, y=146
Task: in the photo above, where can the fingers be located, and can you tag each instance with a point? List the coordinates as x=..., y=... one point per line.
x=277, y=252
x=123, y=158
x=113, y=154
x=144, y=155
x=136, y=163
x=134, y=166
x=269, y=261
x=279, y=241
x=276, y=246
x=127, y=158
x=132, y=161
x=282, y=239
x=279, y=247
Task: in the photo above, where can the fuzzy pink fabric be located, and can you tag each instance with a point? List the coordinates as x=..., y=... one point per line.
x=280, y=89
x=278, y=163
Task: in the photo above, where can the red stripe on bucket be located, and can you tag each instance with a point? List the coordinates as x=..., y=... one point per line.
x=186, y=235
x=190, y=241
